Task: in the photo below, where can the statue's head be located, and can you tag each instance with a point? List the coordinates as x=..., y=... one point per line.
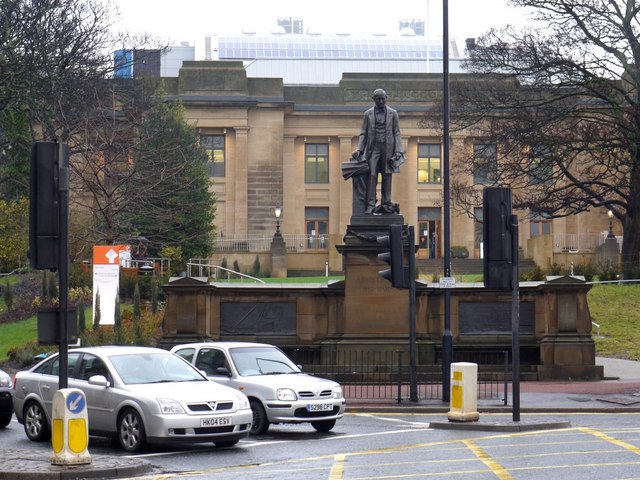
x=379, y=97
x=379, y=93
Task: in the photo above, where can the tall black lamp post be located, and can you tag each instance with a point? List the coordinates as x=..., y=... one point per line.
x=278, y=212
x=610, y=215
x=447, y=338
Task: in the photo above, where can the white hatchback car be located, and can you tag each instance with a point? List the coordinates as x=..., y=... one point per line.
x=278, y=391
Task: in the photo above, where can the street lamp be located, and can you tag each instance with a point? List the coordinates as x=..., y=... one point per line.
x=610, y=215
x=278, y=212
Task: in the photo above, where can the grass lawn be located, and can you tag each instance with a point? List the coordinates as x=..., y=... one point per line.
x=16, y=335
x=616, y=308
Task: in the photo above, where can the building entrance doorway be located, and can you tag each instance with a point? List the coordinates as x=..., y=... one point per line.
x=430, y=231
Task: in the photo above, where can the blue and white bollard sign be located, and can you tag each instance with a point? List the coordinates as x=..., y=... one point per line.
x=70, y=428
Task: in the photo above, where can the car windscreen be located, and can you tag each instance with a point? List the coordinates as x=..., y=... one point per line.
x=136, y=368
x=251, y=361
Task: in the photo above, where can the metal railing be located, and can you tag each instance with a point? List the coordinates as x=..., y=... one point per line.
x=576, y=242
x=376, y=374
x=150, y=263
x=262, y=243
x=216, y=272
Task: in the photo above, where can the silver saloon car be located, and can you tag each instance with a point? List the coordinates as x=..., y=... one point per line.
x=278, y=391
x=137, y=395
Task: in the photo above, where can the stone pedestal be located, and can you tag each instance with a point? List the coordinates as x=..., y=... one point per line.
x=278, y=257
x=373, y=309
x=567, y=351
x=568, y=356
x=611, y=251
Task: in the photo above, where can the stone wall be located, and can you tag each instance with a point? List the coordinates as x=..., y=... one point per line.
x=555, y=321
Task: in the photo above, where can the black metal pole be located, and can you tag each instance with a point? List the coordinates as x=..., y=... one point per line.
x=447, y=339
x=63, y=271
x=515, y=319
x=413, y=381
x=399, y=399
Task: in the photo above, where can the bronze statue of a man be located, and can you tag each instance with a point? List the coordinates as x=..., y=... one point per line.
x=381, y=145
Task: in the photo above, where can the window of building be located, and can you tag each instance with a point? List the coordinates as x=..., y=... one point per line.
x=541, y=165
x=539, y=225
x=485, y=163
x=317, y=221
x=316, y=163
x=214, y=148
x=429, y=163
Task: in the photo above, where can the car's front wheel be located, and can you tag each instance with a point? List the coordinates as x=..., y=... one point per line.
x=131, y=434
x=260, y=423
x=323, y=425
x=36, y=425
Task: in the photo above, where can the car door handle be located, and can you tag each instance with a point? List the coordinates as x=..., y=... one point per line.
x=46, y=387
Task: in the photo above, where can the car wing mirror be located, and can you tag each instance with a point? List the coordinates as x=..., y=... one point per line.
x=99, y=380
x=223, y=371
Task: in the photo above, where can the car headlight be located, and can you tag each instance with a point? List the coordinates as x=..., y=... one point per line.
x=242, y=401
x=337, y=392
x=169, y=406
x=286, y=395
x=6, y=382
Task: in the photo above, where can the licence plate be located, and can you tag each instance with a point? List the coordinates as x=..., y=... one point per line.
x=214, y=422
x=319, y=407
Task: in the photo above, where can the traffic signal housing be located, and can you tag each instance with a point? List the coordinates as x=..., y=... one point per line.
x=497, y=238
x=397, y=274
x=44, y=209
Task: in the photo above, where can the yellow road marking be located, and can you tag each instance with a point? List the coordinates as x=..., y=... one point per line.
x=615, y=441
x=337, y=471
x=485, y=458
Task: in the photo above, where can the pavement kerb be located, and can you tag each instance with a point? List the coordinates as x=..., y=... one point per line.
x=33, y=465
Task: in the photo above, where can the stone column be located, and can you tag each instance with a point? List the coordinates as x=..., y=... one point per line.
x=241, y=180
x=290, y=184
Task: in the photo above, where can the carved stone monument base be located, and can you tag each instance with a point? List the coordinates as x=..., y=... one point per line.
x=365, y=291
x=568, y=356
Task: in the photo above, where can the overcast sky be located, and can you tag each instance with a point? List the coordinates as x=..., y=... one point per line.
x=176, y=21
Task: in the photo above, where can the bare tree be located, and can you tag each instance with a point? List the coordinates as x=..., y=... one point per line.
x=562, y=104
x=103, y=166
x=54, y=58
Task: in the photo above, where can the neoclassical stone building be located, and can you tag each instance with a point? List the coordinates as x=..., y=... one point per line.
x=273, y=145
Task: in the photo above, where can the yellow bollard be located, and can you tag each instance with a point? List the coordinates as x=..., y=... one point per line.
x=69, y=428
x=464, y=392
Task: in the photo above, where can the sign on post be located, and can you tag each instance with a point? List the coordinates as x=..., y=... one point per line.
x=106, y=280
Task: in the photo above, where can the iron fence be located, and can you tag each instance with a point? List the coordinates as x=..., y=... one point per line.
x=262, y=243
x=576, y=242
x=379, y=374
